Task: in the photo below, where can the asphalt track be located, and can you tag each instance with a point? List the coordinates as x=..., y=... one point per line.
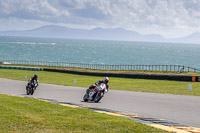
x=176, y=108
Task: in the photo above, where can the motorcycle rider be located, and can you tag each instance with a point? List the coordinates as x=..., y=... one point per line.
x=34, y=80
x=105, y=81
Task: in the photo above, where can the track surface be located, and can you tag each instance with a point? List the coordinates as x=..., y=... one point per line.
x=175, y=108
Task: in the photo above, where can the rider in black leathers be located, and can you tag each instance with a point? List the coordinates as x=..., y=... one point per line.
x=34, y=80
x=105, y=81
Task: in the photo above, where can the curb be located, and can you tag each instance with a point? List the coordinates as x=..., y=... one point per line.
x=22, y=68
x=156, y=123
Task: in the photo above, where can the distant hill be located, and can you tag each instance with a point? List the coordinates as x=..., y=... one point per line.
x=192, y=38
x=97, y=33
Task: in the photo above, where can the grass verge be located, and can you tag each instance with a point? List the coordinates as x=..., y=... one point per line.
x=141, y=85
x=31, y=115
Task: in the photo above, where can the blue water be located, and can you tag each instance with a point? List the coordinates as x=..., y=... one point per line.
x=99, y=52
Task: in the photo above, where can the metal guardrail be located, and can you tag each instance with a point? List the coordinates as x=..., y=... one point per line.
x=170, y=68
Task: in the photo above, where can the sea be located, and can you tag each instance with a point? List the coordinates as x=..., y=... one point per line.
x=99, y=51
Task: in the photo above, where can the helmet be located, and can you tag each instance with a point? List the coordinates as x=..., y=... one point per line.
x=35, y=76
x=106, y=79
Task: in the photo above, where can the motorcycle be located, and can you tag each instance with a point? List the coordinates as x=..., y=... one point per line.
x=96, y=94
x=31, y=87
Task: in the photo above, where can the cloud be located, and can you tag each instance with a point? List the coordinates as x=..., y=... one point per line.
x=29, y=9
x=166, y=17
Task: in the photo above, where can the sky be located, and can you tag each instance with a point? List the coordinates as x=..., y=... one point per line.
x=169, y=18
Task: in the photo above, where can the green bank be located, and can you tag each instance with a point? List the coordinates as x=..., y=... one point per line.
x=141, y=85
x=30, y=115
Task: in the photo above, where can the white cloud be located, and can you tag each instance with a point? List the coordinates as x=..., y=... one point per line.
x=10, y=24
x=29, y=9
x=167, y=17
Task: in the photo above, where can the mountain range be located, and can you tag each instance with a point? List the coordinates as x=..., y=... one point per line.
x=53, y=31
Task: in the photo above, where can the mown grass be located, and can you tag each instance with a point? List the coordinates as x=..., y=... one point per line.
x=141, y=85
x=24, y=115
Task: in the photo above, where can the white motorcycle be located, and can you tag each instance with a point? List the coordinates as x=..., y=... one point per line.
x=96, y=94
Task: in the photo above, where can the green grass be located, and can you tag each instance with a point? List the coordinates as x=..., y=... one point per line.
x=26, y=115
x=141, y=85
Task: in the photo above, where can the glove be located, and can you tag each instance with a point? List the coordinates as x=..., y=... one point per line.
x=106, y=90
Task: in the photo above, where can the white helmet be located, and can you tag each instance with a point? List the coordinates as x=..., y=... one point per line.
x=106, y=79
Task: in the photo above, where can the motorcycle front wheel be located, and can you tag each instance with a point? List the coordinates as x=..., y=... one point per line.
x=32, y=91
x=98, y=97
x=27, y=90
x=85, y=97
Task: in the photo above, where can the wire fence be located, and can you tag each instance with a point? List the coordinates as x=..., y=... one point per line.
x=170, y=68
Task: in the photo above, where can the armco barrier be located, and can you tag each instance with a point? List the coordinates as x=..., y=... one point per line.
x=189, y=78
x=22, y=68
x=167, y=68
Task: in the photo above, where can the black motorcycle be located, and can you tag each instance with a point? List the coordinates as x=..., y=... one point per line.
x=31, y=87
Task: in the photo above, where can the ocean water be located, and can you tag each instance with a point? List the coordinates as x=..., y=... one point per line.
x=99, y=51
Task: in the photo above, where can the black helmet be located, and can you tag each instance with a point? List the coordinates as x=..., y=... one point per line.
x=35, y=76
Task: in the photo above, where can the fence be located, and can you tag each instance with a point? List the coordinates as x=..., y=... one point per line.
x=171, y=68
